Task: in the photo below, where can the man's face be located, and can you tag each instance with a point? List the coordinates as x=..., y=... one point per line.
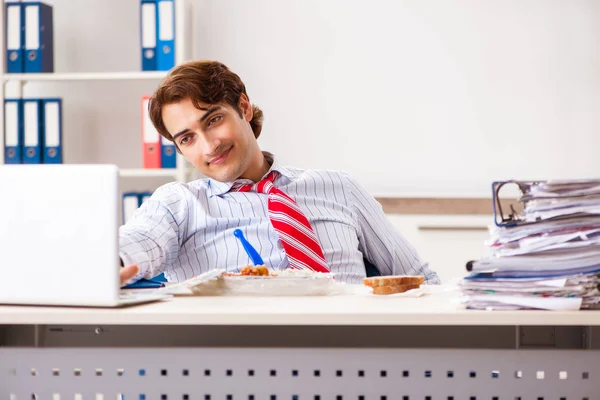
x=216, y=141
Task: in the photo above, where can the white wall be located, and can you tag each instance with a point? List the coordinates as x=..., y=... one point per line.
x=453, y=93
x=408, y=96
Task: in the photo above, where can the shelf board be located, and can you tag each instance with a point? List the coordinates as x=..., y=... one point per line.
x=148, y=172
x=85, y=76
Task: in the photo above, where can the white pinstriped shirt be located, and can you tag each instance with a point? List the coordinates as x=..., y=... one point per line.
x=186, y=229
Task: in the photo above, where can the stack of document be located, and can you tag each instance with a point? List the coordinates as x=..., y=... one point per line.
x=547, y=256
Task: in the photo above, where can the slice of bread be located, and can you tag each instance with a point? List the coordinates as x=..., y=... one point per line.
x=393, y=280
x=391, y=289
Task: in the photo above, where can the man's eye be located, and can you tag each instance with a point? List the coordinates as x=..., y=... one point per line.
x=185, y=140
x=215, y=119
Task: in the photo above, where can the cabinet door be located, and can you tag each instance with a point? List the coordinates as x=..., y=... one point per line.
x=446, y=242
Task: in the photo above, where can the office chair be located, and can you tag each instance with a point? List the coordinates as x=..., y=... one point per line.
x=371, y=269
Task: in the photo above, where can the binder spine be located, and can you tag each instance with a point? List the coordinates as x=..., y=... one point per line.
x=47, y=37
x=148, y=21
x=165, y=45
x=13, y=131
x=13, y=37
x=52, y=127
x=32, y=131
x=168, y=154
x=38, y=37
x=150, y=139
x=131, y=202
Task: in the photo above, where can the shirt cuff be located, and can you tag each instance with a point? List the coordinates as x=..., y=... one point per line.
x=127, y=260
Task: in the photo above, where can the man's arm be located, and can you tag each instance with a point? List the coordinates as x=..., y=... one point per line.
x=152, y=237
x=380, y=242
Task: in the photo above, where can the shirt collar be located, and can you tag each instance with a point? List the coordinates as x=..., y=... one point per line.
x=216, y=188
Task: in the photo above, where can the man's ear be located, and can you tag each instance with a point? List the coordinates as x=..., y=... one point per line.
x=246, y=107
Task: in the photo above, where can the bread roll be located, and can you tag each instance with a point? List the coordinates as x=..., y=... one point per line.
x=394, y=280
x=391, y=289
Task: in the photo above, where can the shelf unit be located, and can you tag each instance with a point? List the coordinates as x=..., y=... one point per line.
x=183, y=52
x=84, y=76
x=147, y=172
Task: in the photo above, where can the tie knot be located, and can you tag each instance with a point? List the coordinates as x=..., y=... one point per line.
x=264, y=186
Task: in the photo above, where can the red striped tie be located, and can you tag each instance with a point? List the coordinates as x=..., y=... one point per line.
x=299, y=241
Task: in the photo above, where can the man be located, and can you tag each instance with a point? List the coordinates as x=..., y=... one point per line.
x=318, y=220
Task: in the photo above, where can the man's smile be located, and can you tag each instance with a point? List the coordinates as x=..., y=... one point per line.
x=220, y=158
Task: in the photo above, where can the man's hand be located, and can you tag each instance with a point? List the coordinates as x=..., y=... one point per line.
x=128, y=272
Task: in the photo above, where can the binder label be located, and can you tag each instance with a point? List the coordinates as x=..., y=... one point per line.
x=166, y=28
x=148, y=25
x=32, y=26
x=52, y=125
x=150, y=132
x=31, y=124
x=130, y=206
x=13, y=29
x=12, y=124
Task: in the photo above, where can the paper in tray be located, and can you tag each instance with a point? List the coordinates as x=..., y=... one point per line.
x=287, y=283
x=185, y=287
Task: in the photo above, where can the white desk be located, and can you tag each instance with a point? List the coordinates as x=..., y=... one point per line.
x=337, y=347
x=438, y=309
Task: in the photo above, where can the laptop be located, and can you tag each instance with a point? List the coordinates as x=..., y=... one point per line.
x=59, y=236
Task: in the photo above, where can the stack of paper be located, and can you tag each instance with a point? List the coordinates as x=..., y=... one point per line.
x=549, y=258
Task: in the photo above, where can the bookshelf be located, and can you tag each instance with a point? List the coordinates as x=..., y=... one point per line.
x=85, y=76
x=183, y=52
x=147, y=172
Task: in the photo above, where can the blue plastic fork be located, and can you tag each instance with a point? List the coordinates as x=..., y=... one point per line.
x=251, y=251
